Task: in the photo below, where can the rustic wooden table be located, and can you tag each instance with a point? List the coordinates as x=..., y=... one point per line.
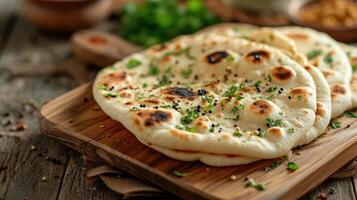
x=34, y=68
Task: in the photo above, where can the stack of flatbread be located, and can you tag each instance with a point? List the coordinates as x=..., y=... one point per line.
x=231, y=94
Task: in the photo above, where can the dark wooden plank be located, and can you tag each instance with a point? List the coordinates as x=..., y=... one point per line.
x=72, y=121
x=333, y=189
x=74, y=184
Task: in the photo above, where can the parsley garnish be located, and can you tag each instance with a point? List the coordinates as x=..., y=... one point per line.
x=313, y=54
x=251, y=183
x=328, y=59
x=186, y=73
x=273, y=165
x=237, y=133
x=145, y=85
x=111, y=95
x=272, y=89
x=153, y=70
x=291, y=130
x=351, y=114
x=234, y=109
x=299, y=97
x=238, y=97
x=134, y=109
x=292, y=166
x=180, y=174
x=272, y=122
x=335, y=125
x=132, y=63
x=260, y=133
x=230, y=58
x=354, y=67
x=257, y=84
x=164, y=80
x=190, y=115
x=191, y=129
x=103, y=87
x=231, y=91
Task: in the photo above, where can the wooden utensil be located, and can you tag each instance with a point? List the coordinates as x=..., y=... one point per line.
x=76, y=120
x=100, y=48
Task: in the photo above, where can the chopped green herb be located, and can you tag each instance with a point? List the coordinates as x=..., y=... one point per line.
x=103, y=87
x=335, y=125
x=190, y=115
x=238, y=97
x=291, y=130
x=273, y=165
x=260, y=133
x=328, y=59
x=180, y=127
x=276, y=122
x=257, y=84
x=231, y=91
x=313, y=54
x=237, y=133
x=351, y=114
x=354, y=67
x=270, y=79
x=153, y=70
x=111, y=95
x=299, y=97
x=145, y=85
x=292, y=166
x=168, y=70
x=191, y=129
x=132, y=63
x=180, y=174
x=164, y=80
x=186, y=73
x=272, y=89
x=234, y=109
x=230, y=58
x=251, y=183
x=165, y=106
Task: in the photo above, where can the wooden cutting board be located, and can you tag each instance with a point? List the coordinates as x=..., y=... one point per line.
x=76, y=120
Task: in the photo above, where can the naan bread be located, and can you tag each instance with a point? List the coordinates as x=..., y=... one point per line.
x=287, y=45
x=211, y=94
x=324, y=53
x=351, y=53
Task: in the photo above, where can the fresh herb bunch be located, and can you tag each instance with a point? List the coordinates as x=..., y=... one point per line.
x=157, y=21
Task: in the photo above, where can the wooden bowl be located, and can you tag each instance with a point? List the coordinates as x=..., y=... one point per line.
x=343, y=34
x=66, y=15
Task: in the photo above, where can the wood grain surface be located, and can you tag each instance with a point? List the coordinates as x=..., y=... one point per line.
x=75, y=120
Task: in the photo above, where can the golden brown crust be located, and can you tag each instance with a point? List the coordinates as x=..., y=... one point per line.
x=261, y=107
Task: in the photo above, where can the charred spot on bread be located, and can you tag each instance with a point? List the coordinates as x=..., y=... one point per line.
x=155, y=117
x=258, y=56
x=320, y=110
x=114, y=78
x=338, y=89
x=261, y=107
x=282, y=73
x=216, y=57
x=181, y=92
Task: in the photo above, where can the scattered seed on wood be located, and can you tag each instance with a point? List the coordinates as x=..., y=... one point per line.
x=33, y=148
x=233, y=178
x=70, y=121
x=85, y=99
x=44, y=179
x=101, y=126
x=332, y=190
x=322, y=196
